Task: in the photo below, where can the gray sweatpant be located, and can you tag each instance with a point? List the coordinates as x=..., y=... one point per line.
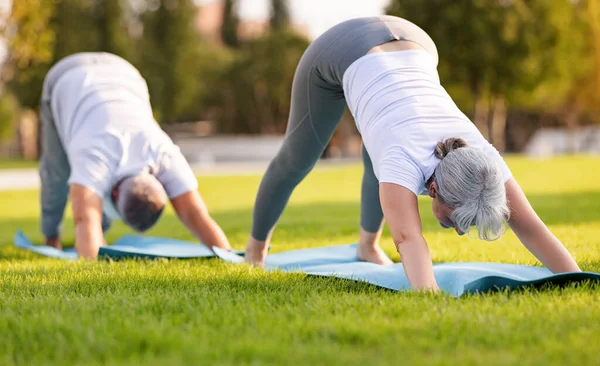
x=54, y=169
x=316, y=108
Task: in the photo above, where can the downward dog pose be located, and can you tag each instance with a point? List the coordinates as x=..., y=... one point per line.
x=102, y=147
x=415, y=141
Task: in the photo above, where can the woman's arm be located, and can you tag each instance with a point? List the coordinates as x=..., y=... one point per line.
x=534, y=234
x=401, y=212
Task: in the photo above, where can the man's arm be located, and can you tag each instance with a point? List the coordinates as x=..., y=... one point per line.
x=401, y=211
x=87, y=215
x=534, y=234
x=192, y=211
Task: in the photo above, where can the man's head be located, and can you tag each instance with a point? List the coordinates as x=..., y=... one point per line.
x=140, y=201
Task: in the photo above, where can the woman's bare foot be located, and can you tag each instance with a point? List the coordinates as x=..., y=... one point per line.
x=54, y=243
x=374, y=255
x=256, y=252
x=369, y=250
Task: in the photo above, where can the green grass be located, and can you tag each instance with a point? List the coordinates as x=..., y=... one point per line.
x=207, y=312
x=18, y=164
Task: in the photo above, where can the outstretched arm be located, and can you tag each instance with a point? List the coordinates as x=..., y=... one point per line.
x=87, y=214
x=192, y=211
x=534, y=234
x=401, y=211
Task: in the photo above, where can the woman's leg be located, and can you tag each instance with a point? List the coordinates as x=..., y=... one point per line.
x=317, y=106
x=371, y=216
x=315, y=112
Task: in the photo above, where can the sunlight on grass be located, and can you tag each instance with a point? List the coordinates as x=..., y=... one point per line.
x=207, y=312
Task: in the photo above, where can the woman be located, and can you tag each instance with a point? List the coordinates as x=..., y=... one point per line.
x=415, y=141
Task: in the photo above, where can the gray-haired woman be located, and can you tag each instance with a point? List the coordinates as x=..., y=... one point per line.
x=416, y=141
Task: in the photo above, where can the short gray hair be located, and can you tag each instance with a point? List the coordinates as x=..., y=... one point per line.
x=471, y=183
x=141, y=201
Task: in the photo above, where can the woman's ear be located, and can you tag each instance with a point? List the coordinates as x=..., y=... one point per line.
x=433, y=190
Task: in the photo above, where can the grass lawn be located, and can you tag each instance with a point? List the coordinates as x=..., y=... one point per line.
x=207, y=312
x=18, y=164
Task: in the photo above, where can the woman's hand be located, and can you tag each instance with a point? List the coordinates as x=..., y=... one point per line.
x=401, y=211
x=534, y=234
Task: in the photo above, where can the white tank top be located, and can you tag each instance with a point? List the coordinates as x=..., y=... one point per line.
x=402, y=112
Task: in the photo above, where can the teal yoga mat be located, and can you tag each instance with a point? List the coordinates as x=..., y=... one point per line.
x=456, y=279
x=128, y=246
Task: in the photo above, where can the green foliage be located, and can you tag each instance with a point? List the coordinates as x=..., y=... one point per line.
x=169, y=51
x=256, y=89
x=585, y=92
x=9, y=110
x=31, y=41
x=192, y=312
x=211, y=62
x=280, y=15
x=229, y=28
x=41, y=33
x=521, y=50
x=113, y=33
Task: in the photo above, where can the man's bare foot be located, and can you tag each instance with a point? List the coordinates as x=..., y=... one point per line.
x=374, y=255
x=256, y=252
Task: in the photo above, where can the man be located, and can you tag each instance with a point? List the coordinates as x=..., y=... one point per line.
x=102, y=148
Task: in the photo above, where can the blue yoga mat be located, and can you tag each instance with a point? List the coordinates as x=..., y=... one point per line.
x=128, y=246
x=456, y=279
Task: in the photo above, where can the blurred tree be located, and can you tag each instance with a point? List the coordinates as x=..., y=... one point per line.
x=501, y=53
x=30, y=40
x=585, y=92
x=40, y=33
x=211, y=62
x=8, y=115
x=255, y=91
x=113, y=33
x=169, y=57
x=229, y=27
x=74, y=22
x=280, y=15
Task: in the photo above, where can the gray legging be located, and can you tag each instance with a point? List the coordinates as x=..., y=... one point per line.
x=317, y=106
x=54, y=167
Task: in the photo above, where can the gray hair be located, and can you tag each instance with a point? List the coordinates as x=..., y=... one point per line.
x=471, y=183
x=141, y=201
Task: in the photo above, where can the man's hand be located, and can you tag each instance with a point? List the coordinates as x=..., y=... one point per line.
x=192, y=211
x=87, y=214
x=54, y=242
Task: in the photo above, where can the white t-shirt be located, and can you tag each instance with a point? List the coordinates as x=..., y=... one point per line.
x=104, y=119
x=402, y=112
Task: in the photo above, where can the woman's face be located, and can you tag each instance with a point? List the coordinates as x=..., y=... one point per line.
x=441, y=212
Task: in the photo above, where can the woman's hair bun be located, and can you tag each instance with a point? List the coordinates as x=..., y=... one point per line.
x=444, y=147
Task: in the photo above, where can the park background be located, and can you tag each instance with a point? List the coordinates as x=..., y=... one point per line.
x=527, y=73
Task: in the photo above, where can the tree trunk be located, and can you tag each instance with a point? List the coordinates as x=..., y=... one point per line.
x=571, y=125
x=480, y=117
x=28, y=134
x=498, y=124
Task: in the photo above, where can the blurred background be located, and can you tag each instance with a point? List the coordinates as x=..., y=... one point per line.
x=527, y=73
